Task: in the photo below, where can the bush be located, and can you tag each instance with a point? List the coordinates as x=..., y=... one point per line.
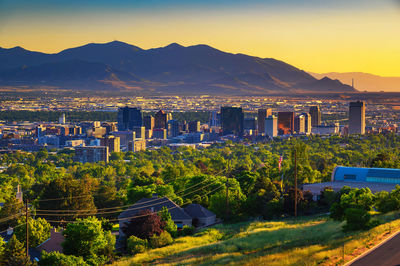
x=356, y=219
x=59, y=259
x=162, y=240
x=187, y=230
x=136, y=245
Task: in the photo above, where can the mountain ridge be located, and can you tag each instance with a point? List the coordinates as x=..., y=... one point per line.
x=170, y=69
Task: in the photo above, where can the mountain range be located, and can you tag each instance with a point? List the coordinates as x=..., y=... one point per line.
x=198, y=69
x=364, y=81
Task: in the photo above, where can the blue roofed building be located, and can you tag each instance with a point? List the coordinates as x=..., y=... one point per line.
x=376, y=179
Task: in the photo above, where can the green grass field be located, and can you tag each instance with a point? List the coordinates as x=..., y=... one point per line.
x=306, y=241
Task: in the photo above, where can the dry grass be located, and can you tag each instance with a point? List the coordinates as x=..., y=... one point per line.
x=310, y=241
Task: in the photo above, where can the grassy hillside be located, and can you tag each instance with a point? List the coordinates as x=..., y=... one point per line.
x=308, y=241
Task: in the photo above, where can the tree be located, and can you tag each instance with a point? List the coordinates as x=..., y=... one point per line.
x=59, y=259
x=158, y=241
x=71, y=194
x=12, y=209
x=356, y=219
x=136, y=245
x=86, y=238
x=170, y=226
x=15, y=253
x=39, y=231
x=2, y=248
x=145, y=225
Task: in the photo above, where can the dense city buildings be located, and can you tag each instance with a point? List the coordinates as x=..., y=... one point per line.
x=91, y=154
x=112, y=142
x=194, y=126
x=128, y=118
x=285, y=123
x=315, y=113
x=357, y=117
x=232, y=119
x=262, y=114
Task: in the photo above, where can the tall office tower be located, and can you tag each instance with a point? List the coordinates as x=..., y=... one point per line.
x=307, y=123
x=357, y=118
x=214, y=119
x=160, y=120
x=261, y=115
x=91, y=154
x=173, y=128
x=61, y=120
x=128, y=118
x=232, y=120
x=148, y=122
x=112, y=142
x=285, y=123
x=271, y=126
x=299, y=124
x=194, y=126
x=315, y=113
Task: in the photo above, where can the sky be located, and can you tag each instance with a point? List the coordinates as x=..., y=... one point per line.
x=314, y=35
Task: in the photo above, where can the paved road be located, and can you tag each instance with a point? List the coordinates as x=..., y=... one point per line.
x=387, y=254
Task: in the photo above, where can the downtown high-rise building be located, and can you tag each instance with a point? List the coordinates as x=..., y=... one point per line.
x=300, y=124
x=232, y=119
x=285, y=123
x=148, y=122
x=128, y=118
x=315, y=113
x=261, y=115
x=112, y=142
x=357, y=117
x=160, y=120
x=271, y=126
x=307, y=123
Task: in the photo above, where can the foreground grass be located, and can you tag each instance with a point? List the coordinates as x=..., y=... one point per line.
x=309, y=241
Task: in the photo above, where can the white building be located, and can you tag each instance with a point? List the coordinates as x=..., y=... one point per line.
x=271, y=126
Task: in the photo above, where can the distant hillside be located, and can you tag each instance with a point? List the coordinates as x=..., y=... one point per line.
x=364, y=81
x=171, y=69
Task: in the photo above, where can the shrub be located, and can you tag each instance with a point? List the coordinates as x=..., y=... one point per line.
x=356, y=219
x=136, y=245
x=187, y=230
x=59, y=259
x=162, y=240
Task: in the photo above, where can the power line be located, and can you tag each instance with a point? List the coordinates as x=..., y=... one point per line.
x=90, y=212
x=136, y=216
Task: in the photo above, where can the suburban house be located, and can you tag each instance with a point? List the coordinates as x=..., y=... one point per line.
x=200, y=215
x=155, y=204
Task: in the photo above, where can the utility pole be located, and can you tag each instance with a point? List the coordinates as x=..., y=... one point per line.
x=27, y=228
x=295, y=183
x=227, y=194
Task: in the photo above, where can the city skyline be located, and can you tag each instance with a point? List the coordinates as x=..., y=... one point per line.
x=344, y=36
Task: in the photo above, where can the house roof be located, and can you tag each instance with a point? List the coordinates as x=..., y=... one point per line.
x=155, y=204
x=198, y=211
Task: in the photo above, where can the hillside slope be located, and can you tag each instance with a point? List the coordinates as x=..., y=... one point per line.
x=307, y=241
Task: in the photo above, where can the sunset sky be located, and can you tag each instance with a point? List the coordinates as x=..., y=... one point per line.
x=314, y=35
